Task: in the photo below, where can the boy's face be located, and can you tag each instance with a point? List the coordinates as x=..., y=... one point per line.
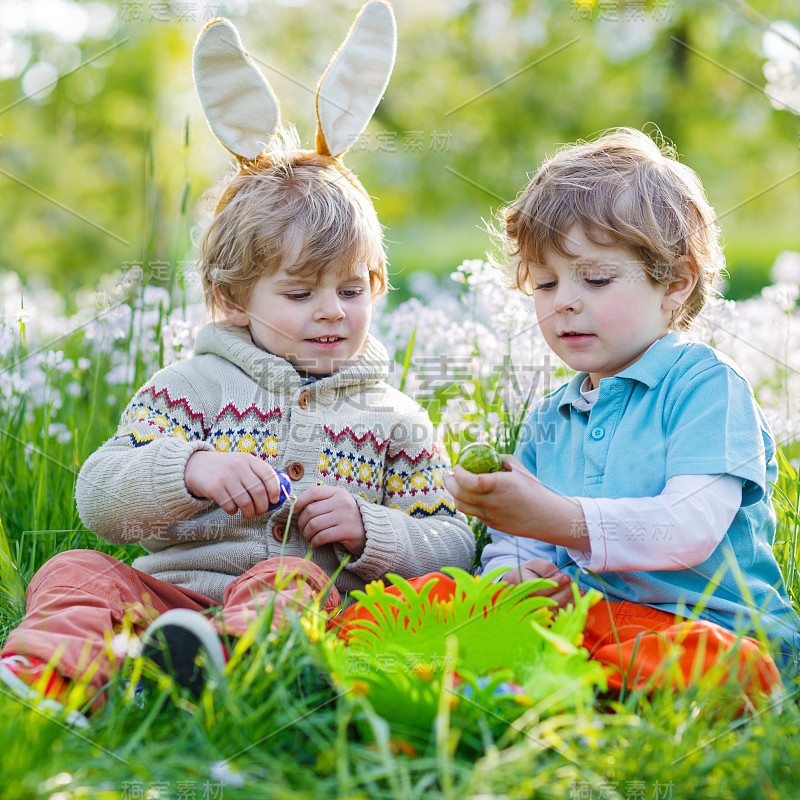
x=598, y=311
x=317, y=326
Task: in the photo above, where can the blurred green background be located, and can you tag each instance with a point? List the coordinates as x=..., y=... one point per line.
x=104, y=153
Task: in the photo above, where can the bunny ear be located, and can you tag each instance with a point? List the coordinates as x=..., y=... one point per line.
x=238, y=102
x=352, y=86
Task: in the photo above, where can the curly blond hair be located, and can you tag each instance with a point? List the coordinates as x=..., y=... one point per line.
x=624, y=190
x=288, y=209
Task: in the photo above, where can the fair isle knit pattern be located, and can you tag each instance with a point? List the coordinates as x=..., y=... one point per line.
x=350, y=429
x=361, y=473
x=247, y=431
x=398, y=475
x=159, y=412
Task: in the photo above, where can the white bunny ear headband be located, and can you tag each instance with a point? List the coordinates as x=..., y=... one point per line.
x=244, y=113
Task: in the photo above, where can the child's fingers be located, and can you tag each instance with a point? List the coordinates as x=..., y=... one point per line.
x=333, y=509
x=230, y=498
x=261, y=487
x=561, y=584
x=258, y=492
x=479, y=512
x=474, y=483
x=251, y=491
x=223, y=499
x=313, y=510
x=312, y=495
x=241, y=496
x=521, y=573
x=461, y=488
x=511, y=463
x=475, y=505
x=514, y=465
x=542, y=568
x=450, y=483
x=269, y=478
x=563, y=595
x=319, y=530
x=562, y=592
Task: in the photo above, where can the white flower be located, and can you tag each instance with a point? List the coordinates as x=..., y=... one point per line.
x=126, y=645
x=786, y=268
x=53, y=359
x=60, y=432
x=120, y=374
x=781, y=44
x=153, y=296
x=784, y=295
x=222, y=772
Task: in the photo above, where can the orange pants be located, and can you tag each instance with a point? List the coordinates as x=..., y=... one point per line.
x=347, y=619
x=638, y=643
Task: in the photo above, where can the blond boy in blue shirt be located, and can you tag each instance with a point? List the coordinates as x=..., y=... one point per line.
x=648, y=475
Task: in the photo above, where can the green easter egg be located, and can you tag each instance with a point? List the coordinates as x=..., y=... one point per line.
x=478, y=457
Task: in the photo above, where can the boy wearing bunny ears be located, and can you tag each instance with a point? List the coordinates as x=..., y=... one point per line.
x=286, y=378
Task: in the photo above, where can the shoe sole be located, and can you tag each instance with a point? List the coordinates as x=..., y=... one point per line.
x=44, y=704
x=174, y=641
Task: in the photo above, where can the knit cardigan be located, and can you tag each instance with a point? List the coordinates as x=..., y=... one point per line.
x=350, y=429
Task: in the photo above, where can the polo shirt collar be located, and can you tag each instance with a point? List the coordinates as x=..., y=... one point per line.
x=571, y=393
x=650, y=370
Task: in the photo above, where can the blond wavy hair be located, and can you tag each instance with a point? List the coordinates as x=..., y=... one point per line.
x=289, y=209
x=623, y=189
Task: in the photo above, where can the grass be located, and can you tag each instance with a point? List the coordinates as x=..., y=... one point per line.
x=279, y=726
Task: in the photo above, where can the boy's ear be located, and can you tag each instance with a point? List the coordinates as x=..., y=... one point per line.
x=678, y=290
x=235, y=314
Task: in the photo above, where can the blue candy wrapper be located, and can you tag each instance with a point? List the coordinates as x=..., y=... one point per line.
x=286, y=489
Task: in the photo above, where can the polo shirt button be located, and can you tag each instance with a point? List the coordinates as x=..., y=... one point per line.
x=279, y=532
x=295, y=470
x=598, y=433
x=304, y=400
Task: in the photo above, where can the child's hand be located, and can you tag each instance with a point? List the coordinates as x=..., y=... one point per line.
x=503, y=500
x=234, y=481
x=330, y=514
x=515, y=501
x=540, y=568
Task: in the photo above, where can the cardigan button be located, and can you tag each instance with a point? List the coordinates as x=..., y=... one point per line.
x=279, y=532
x=598, y=433
x=304, y=400
x=295, y=470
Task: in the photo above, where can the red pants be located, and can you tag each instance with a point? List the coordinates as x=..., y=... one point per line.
x=80, y=598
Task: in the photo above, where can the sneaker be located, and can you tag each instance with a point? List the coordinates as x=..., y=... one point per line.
x=33, y=681
x=183, y=644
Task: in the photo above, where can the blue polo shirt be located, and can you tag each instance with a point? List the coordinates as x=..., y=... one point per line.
x=681, y=409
